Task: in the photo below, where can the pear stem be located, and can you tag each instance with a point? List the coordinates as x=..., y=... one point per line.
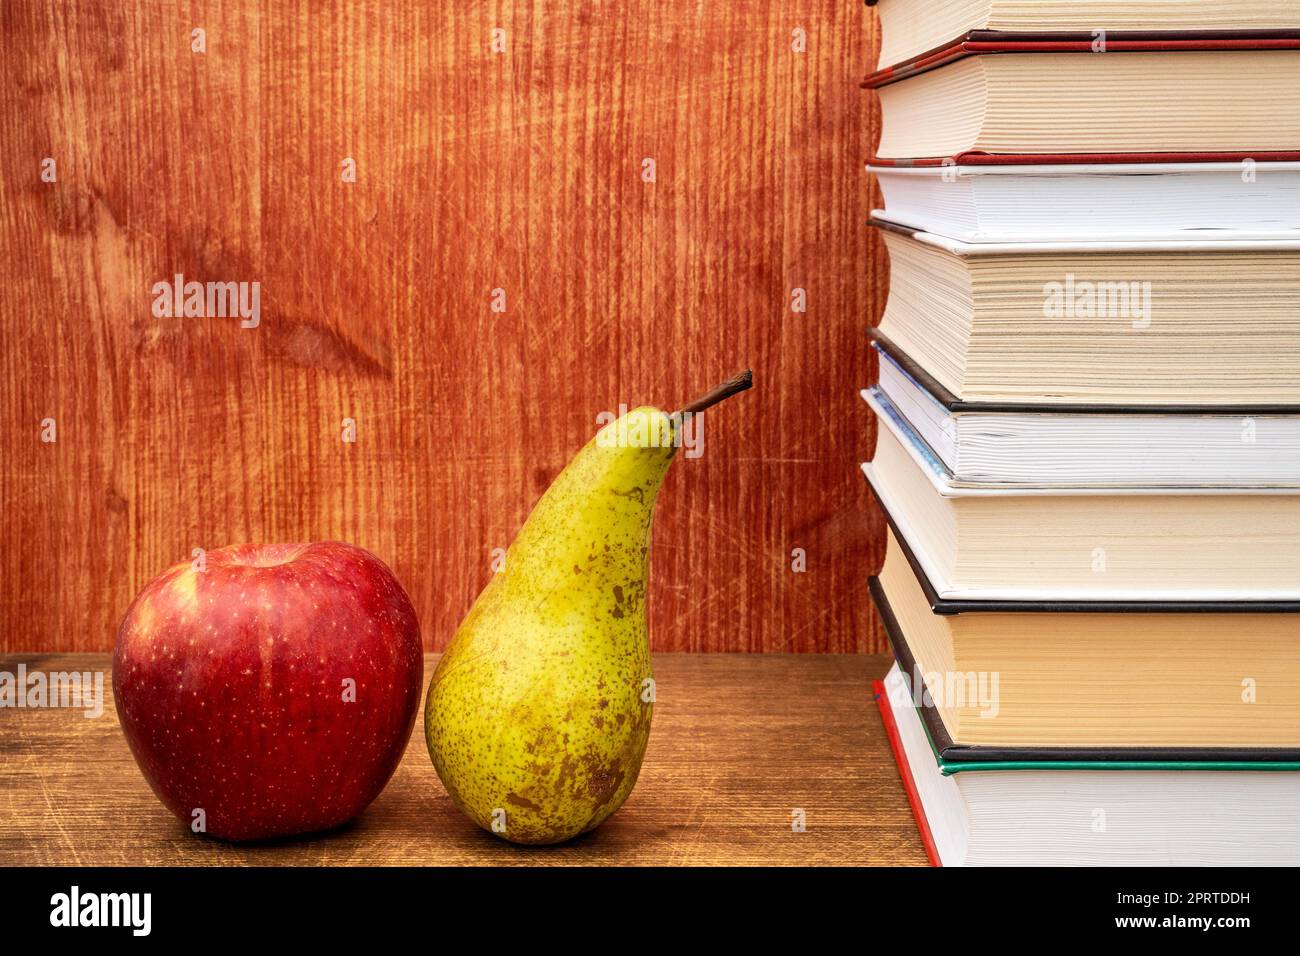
x=737, y=383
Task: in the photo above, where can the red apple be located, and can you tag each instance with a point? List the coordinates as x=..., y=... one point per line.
x=272, y=692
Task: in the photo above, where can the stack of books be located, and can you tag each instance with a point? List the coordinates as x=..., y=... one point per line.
x=1089, y=442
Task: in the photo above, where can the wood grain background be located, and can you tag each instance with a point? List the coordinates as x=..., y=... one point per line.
x=476, y=171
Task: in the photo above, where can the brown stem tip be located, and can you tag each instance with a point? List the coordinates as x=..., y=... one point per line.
x=737, y=383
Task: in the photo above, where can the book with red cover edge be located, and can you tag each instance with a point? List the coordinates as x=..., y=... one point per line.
x=905, y=772
x=978, y=42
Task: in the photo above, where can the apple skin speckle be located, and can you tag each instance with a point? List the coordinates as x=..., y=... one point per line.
x=230, y=686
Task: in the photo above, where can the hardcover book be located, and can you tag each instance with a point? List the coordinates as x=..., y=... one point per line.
x=975, y=203
x=1116, y=448
x=1102, y=544
x=910, y=29
x=1208, y=324
x=1192, y=97
x=1028, y=812
x=1110, y=680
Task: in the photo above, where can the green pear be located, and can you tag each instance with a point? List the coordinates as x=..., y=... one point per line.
x=538, y=713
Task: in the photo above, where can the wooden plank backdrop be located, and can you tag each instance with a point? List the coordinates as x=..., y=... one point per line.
x=476, y=171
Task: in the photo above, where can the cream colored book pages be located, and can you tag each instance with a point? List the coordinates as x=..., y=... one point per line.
x=1200, y=327
x=1107, y=545
x=1084, y=17
x=1140, y=102
x=1156, y=680
x=928, y=311
x=929, y=636
x=1203, y=101
x=937, y=113
x=1096, y=680
x=909, y=28
x=1193, y=328
x=1135, y=548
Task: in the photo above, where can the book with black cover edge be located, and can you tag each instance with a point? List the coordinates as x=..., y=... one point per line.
x=954, y=404
x=949, y=752
x=941, y=605
x=977, y=42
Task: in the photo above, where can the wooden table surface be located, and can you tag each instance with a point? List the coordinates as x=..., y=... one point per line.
x=739, y=743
